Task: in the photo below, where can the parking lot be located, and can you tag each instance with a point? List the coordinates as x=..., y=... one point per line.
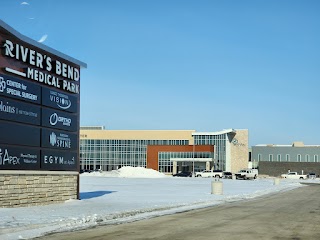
x=293, y=214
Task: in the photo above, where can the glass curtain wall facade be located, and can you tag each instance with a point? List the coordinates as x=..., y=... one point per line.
x=219, y=142
x=165, y=165
x=110, y=155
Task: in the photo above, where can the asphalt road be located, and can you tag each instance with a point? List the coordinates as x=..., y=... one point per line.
x=289, y=215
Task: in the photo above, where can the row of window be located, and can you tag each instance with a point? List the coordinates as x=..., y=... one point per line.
x=168, y=155
x=102, y=142
x=112, y=155
x=219, y=141
x=288, y=158
x=86, y=148
x=209, y=137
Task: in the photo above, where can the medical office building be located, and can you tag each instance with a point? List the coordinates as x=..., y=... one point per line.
x=167, y=151
x=275, y=159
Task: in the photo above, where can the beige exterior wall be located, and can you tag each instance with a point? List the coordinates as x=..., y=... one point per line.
x=31, y=188
x=138, y=134
x=239, y=150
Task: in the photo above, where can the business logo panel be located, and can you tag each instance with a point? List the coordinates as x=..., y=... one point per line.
x=59, y=160
x=19, y=134
x=19, y=112
x=19, y=89
x=12, y=158
x=52, y=138
x=59, y=120
x=59, y=100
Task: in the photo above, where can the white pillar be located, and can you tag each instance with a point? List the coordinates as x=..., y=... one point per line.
x=174, y=168
x=208, y=165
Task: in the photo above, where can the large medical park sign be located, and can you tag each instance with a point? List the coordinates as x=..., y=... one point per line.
x=42, y=62
x=39, y=105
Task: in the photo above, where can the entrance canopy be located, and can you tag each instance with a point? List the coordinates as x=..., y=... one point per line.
x=191, y=159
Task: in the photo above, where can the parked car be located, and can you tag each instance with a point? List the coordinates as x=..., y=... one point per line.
x=209, y=173
x=294, y=175
x=312, y=175
x=183, y=174
x=198, y=170
x=85, y=171
x=227, y=175
x=248, y=173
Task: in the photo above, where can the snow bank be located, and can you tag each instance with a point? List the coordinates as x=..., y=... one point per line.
x=129, y=172
x=139, y=172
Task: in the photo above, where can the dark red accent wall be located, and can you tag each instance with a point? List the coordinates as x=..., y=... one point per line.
x=152, y=152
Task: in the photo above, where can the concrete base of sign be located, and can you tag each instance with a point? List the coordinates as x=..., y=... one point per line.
x=30, y=188
x=217, y=188
x=276, y=181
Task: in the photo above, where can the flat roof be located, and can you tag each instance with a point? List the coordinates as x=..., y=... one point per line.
x=231, y=130
x=40, y=45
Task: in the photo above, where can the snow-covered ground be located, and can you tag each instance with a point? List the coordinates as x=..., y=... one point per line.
x=126, y=195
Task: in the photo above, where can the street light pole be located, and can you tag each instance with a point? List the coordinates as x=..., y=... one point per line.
x=193, y=157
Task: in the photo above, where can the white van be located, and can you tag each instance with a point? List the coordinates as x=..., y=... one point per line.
x=248, y=173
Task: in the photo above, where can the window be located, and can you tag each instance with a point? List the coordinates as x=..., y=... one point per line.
x=287, y=157
x=307, y=158
x=279, y=157
x=315, y=158
x=259, y=157
x=270, y=157
x=299, y=158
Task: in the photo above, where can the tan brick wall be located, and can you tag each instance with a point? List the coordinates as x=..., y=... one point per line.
x=31, y=188
x=138, y=134
x=239, y=150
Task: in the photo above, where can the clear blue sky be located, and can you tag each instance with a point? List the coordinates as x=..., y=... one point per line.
x=188, y=64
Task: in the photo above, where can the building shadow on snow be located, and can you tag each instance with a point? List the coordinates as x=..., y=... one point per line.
x=88, y=195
